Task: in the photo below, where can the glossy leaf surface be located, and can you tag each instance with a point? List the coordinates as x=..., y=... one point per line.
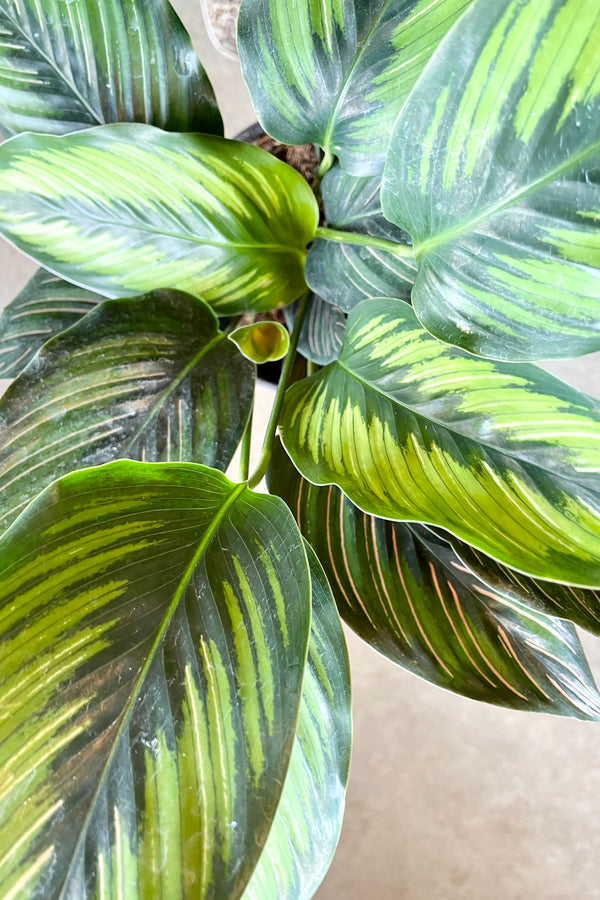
x=46, y=306
x=506, y=457
x=405, y=591
x=337, y=72
x=262, y=341
x=150, y=378
x=345, y=274
x=322, y=332
x=71, y=64
x=154, y=622
x=306, y=828
x=493, y=171
x=122, y=209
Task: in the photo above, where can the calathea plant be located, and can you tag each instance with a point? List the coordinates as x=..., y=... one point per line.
x=175, y=691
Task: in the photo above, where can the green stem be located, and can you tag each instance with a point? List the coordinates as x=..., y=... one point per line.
x=267, y=447
x=326, y=164
x=311, y=367
x=405, y=251
x=245, y=448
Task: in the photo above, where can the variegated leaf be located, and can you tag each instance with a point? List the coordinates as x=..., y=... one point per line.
x=154, y=623
x=46, y=306
x=337, y=72
x=406, y=592
x=343, y=273
x=306, y=828
x=122, y=209
x=149, y=378
x=71, y=64
x=505, y=457
x=493, y=171
x=322, y=332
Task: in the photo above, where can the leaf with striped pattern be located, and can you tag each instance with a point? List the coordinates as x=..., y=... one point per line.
x=504, y=456
x=342, y=273
x=306, y=828
x=46, y=306
x=122, y=209
x=149, y=378
x=322, y=333
x=493, y=171
x=154, y=621
x=71, y=64
x=405, y=591
x=337, y=72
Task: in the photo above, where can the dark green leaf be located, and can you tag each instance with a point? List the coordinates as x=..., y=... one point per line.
x=506, y=457
x=45, y=307
x=154, y=624
x=123, y=209
x=306, y=828
x=322, y=332
x=345, y=274
x=337, y=72
x=493, y=171
x=406, y=592
x=150, y=378
x=70, y=64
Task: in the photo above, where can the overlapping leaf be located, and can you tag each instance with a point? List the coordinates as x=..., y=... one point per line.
x=150, y=378
x=70, y=64
x=322, y=332
x=342, y=273
x=122, y=209
x=406, y=592
x=506, y=457
x=306, y=828
x=493, y=171
x=337, y=72
x=154, y=623
x=46, y=306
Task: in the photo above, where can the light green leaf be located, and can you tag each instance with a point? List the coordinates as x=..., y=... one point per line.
x=306, y=828
x=261, y=341
x=322, y=333
x=71, y=64
x=45, y=307
x=505, y=457
x=337, y=72
x=493, y=171
x=342, y=273
x=154, y=622
x=405, y=591
x=122, y=209
x=150, y=378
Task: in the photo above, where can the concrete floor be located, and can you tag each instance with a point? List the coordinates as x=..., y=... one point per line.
x=448, y=799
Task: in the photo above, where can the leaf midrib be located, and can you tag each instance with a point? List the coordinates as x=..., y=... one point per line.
x=155, y=647
x=446, y=237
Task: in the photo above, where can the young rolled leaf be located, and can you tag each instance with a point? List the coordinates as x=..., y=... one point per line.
x=262, y=341
x=71, y=64
x=123, y=209
x=46, y=306
x=405, y=591
x=322, y=333
x=306, y=828
x=493, y=171
x=505, y=457
x=343, y=273
x=149, y=378
x=154, y=624
x=337, y=72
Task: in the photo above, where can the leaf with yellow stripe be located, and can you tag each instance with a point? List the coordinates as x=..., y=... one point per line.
x=406, y=592
x=306, y=828
x=149, y=378
x=493, y=171
x=343, y=273
x=71, y=64
x=154, y=622
x=123, y=209
x=504, y=456
x=337, y=72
